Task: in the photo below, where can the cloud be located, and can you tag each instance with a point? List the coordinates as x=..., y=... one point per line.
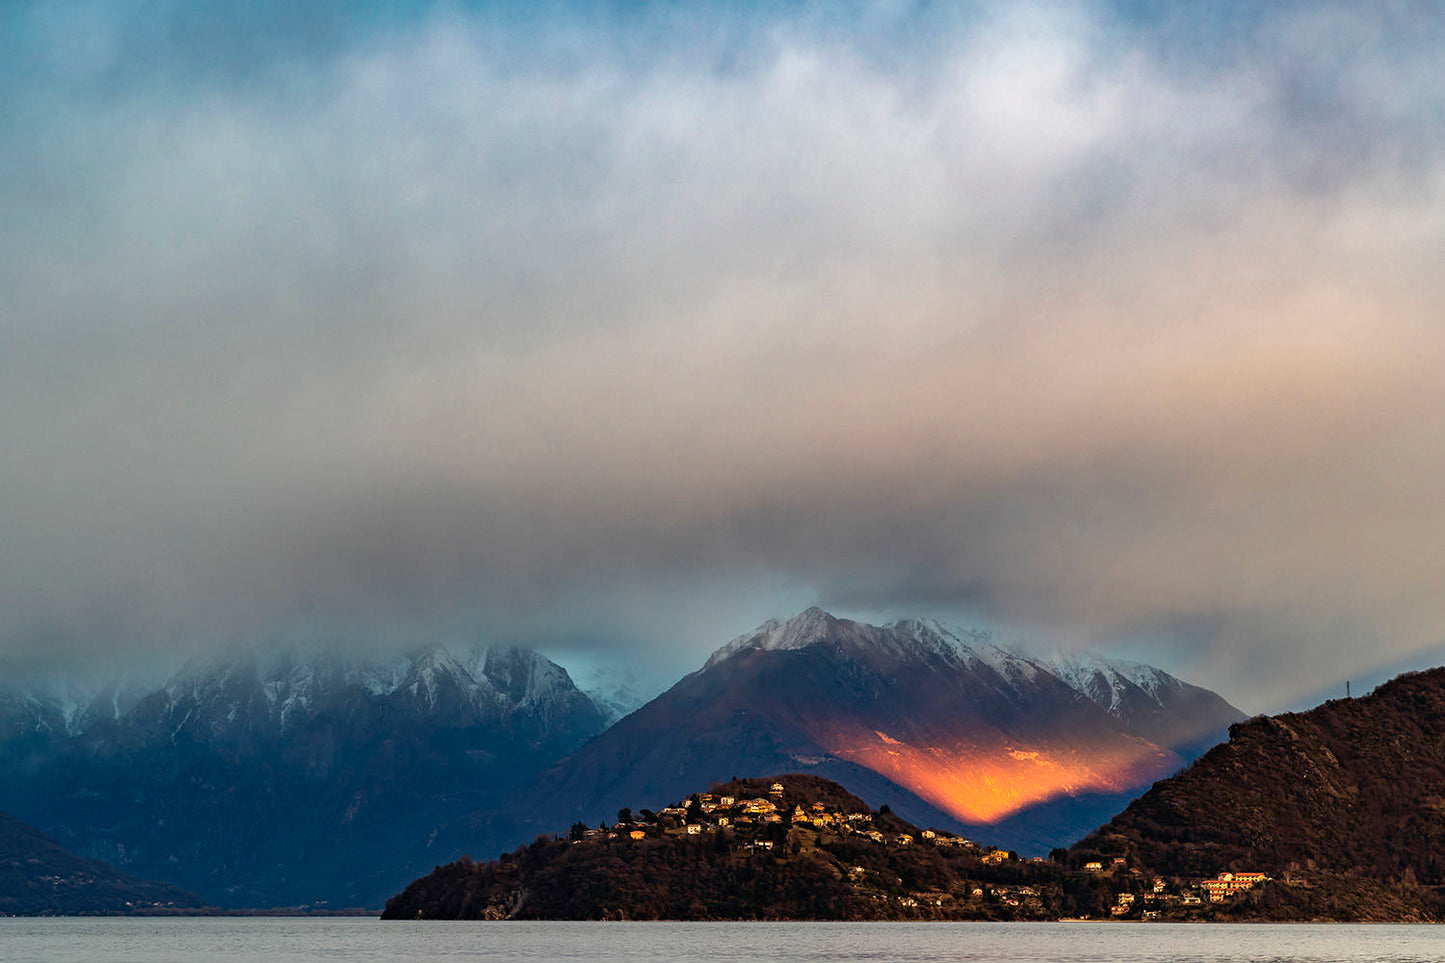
x=650, y=326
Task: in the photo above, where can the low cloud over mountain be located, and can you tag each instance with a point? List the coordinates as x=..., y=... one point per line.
x=1111, y=322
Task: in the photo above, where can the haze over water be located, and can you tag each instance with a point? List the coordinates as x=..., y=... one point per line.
x=78, y=940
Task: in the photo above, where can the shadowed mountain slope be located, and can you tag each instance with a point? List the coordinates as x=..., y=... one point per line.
x=286, y=778
x=1353, y=788
x=38, y=877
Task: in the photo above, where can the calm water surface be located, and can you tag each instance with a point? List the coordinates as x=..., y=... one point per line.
x=310, y=940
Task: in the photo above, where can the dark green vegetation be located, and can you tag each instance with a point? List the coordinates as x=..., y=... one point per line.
x=39, y=878
x=1344, y=805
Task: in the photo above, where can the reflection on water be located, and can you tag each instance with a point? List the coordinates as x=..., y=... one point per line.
x=310, y=940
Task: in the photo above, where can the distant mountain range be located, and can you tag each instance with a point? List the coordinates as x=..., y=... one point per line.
x=287, y=778
x=38, y=877
x=946, y=727
x=1345, y=804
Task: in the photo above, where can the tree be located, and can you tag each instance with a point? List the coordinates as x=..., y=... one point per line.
x=624, y=815
x=577, y=831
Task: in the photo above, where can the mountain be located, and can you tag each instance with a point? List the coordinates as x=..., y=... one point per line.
x=287, y=778
x=1348, y=795
x=40, y=878
x=819, y=852
x=947, y=727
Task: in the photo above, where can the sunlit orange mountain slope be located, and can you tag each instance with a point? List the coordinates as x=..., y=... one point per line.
x=942, y=725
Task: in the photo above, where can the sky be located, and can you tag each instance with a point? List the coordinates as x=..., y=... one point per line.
x=616, y=329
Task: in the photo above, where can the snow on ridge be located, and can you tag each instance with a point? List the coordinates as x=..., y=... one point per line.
x=903, y=638
x=1107, y=681
x=1104, y=681
x=291, y=684
x=775, y=635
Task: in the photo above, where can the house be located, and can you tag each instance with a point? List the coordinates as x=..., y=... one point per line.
x=1227, y=885
x=694, y=829
x=903, y=839
x=638, y=834
x=994, y=857
x=776, y=789
x=727, y=802
x=929, y=834
x=1093, y=867
x=722, y=820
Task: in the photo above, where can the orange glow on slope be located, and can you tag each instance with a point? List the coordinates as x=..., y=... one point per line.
x=983, y=784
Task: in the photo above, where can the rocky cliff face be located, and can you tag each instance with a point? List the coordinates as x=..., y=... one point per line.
x=283, y=778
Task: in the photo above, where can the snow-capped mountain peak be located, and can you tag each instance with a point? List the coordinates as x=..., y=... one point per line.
x=1120, y=687
x=808, y=627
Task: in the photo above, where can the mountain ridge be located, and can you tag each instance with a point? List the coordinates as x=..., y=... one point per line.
x=268, y=777
x=914, y=713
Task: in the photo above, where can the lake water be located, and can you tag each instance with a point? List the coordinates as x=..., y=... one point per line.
x=333, y=940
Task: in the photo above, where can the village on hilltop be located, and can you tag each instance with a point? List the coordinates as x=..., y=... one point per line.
x=778, y=822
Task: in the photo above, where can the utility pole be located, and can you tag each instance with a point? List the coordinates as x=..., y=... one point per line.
x=1347, y=688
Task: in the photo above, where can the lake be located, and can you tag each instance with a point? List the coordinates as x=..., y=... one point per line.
x=109, y=940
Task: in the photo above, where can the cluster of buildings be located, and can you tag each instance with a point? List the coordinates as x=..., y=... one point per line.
x=1227, y=885
x=707, y=812
x=1151, y=904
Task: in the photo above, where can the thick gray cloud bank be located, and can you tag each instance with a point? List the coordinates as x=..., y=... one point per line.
x=1112, y=330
